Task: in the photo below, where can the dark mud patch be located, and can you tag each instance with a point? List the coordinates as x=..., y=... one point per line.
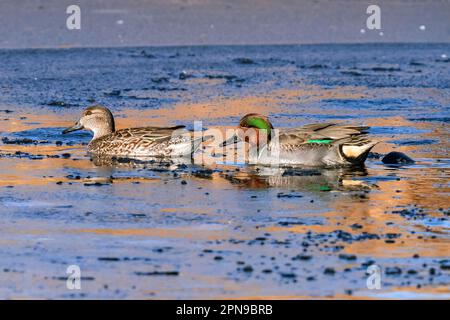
x=431, y=119
x=23, y=141
x=60, y=103
x=317, y=66
x=156, y=273
x=243, y=61
x=354, y=73
x=409, y=142
x=25, y=155
x=143, y=54
x=108, y=259
x=384, y=69
x=346, y=237
x=417, y=64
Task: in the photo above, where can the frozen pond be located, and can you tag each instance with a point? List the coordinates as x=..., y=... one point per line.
x=222, y=231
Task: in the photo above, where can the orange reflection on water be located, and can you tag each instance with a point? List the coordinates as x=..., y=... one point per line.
x=185, y=233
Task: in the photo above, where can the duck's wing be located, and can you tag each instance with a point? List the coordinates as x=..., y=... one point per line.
x=318, y=133
x=335, y=131
x=351, y=141
x=147, y=133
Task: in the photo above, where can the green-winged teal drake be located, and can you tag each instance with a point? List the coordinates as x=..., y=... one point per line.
x=321, y=144
x=133, y=142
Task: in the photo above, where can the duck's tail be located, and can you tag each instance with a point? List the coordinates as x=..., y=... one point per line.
x=355, y=149
x=186, y=144
x=197, y=142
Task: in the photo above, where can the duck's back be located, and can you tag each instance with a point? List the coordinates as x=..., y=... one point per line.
x=319, y=131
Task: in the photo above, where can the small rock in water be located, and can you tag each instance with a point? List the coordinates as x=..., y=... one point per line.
x=347, y=256
x=397, y=158
x=6, y=140
x=329, y=271
x=243, y=61
x=247, y=268
x=393, y=271
x=184, y=75
x=445, y=264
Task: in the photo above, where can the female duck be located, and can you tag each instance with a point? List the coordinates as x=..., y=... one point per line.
x=133, y=142
x=322, y=144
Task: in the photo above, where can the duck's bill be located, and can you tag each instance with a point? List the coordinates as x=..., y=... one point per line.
x=233, y=140
x=76, y=127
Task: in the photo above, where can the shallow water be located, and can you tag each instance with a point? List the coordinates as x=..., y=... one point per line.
x=143, y=230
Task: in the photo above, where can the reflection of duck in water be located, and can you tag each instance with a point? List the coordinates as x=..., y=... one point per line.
x=133, y=142
x=153, y=163
x=309, y=180
x=312, y=145
x=147, y=168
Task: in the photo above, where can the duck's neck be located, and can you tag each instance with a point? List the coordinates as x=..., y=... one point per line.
x=102, y=131
x=259, y=139
x=262, y=126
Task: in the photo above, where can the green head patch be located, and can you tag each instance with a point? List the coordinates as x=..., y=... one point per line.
x=259, y=123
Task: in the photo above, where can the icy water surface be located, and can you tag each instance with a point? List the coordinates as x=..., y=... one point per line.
x=146, y=230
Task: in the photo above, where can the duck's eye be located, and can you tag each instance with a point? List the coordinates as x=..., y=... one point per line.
x=88, y=113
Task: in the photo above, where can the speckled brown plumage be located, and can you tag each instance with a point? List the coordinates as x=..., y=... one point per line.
x=146, y=141
x=133, y=142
